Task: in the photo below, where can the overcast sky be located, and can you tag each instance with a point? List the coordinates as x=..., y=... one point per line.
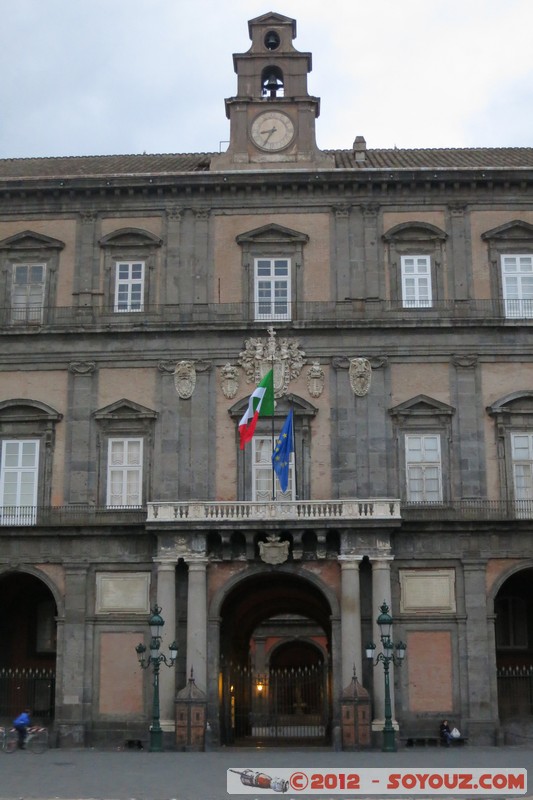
x=88, y=77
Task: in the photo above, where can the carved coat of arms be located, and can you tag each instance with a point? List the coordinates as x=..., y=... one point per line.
x=284, y=357
x=273, y=551
x=185, y=379
x=315, y=379
x=360, y=376
x=229, y=380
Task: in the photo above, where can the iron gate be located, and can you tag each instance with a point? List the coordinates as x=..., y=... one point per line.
x=515, y=691
x=289, y=703
x=32, y=688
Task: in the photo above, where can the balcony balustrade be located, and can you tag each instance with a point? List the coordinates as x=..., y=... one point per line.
x=322, y=313
x=299, y=510
x=199, y=513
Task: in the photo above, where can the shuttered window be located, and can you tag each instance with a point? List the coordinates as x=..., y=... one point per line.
x=124, y=472
x=18, y=481
x=416, y=281
x=272, y=288
x=423, y=468
x=262, y=472
x=517, y=283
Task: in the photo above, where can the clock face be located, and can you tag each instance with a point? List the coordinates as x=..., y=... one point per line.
x=272, y=130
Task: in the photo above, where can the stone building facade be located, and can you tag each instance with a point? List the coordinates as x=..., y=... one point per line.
x=142, y=299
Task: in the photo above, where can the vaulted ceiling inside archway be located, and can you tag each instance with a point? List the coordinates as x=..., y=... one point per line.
x=262, y=597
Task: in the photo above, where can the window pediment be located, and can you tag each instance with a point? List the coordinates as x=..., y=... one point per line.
x=415, y=232
x=22, y=410
x=130, y=238
x=272, y=234
x=422, y=406
x=30, y=240
x=301, y=407
x=515, y=231
x=515, y=403
x=123, y=410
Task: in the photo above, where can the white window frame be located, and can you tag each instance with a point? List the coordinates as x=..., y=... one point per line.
x=423, y=466
x=522, y=460
x=517, y=284
x=120, y=472
x=416, y=281
x=129, y=289
x=262, y=450
x=21, y=479
x=272, y=291
x=31, y=308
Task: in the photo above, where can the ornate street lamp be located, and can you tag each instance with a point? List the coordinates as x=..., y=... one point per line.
x=387, y=657
x=155, y=659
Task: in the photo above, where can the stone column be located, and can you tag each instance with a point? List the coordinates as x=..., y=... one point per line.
x=80, y=472
x=460, y=253
x=469, y=431
x=350, y=619
x=166, y=599
x=74, y=688
x=482, y=716
x=381, y=591
x=197, y=622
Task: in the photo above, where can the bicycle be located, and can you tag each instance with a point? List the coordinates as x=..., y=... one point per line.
x=36, y=739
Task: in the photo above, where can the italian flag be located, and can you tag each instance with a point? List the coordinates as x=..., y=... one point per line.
x=260, y=404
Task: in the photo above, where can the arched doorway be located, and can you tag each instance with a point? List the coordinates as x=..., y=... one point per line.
x=275, y=644
x=513, y=607
x=28, y=653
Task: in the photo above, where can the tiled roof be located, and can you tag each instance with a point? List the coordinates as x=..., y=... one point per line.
x=459, y=158
x=170, y=164
x=102, y=166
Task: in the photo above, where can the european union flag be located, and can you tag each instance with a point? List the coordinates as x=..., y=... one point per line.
x=282, y=453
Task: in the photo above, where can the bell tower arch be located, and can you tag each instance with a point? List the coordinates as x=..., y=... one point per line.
x=272, y=117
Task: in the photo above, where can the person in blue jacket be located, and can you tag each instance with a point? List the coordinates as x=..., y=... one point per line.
x=21, y=725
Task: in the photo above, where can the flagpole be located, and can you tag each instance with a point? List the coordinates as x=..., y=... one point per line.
x=273, y=436
x=294, y=449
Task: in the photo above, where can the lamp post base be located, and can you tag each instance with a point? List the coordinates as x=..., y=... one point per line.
x=156, y=741
x=389, y=741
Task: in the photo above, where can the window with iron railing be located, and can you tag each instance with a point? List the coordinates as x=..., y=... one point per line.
x=18, y=481
x=27, y=296
x=517, y=284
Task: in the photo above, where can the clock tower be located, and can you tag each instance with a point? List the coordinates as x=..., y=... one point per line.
x=272, y=117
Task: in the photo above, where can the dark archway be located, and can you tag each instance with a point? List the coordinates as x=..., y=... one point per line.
x=28, y=632
x=278, y=614
x=513, y=607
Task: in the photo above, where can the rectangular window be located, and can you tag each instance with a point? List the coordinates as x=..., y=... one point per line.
x=129, y=286
x=416, y=281
x=522, y=454
x=262, y=449
x=517, y=284
x=272, y=288
x=124, y=472
x=27, y=298
x=18, y=481
x=423, y=468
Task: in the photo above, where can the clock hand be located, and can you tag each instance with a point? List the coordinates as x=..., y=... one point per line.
x=269, y=134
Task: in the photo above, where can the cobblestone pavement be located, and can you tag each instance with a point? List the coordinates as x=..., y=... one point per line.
x=140, y=775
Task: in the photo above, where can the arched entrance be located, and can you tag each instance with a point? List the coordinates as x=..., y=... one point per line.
x=28, y=652
x=513, y=607
x=275, y=645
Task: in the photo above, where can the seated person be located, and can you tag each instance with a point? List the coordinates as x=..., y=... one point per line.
x=445, y=733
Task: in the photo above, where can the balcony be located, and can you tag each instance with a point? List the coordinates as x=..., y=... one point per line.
x=72, y=516
x=347, y=313
x=475, y=510
x=301, y=513
x=342, y=512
